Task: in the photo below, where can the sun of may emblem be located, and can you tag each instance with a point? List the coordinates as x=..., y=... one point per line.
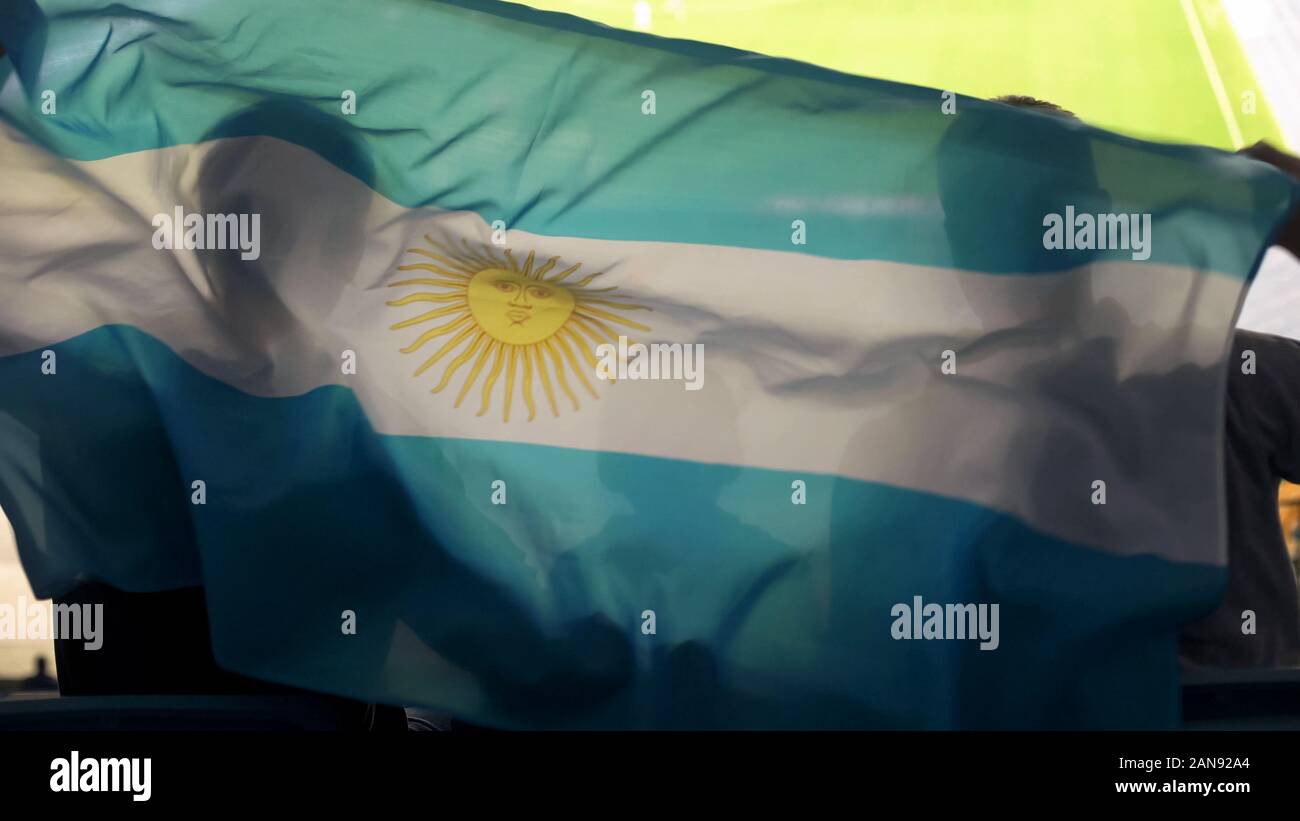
x=506, y=316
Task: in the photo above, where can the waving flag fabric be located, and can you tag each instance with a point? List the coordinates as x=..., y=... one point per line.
x=314, y=304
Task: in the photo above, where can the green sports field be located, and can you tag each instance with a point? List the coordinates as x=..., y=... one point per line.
x=1135, y=66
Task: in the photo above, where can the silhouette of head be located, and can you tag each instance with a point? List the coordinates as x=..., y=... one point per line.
x=1002, y=170
x=291, y=170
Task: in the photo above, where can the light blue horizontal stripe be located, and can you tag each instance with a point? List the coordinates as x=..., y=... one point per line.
x=528, y=614
x=536, y=119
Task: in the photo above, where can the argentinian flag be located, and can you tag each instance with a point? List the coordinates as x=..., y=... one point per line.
x=307, y=302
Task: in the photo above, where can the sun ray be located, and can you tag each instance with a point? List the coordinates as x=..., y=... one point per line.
x=458, y=268
x=451, y=252
x=492, y=379
x=510, y=258
x=458, y=361
x=449, y=346
x=596, y=339
x=546, y=379
x=426, y=297
x=528, y=381
x=434, y=333
x=560, y=277
x=528, y=263
x=428, y=315
x=478, y=257
x=426, y=281
x=490, y=252
x=510, y=379
x=559, y=372
x=595, y=327
x=541, y=270
x=430, y=267
x=441, y=246
x=474, y=371
x=558, y=339
x=582, y=283
x=583, y=347
x=588, y=311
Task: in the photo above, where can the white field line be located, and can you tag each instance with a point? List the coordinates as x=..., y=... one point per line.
x=1216, y=81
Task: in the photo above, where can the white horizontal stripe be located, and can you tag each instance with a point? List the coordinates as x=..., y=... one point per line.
x=811, y=365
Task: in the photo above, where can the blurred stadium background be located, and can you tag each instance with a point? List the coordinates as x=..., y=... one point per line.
x=1173, y=70
x=1217, y=72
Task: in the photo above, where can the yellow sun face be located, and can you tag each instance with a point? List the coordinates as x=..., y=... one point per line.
x=511, y=317
x=516, y=310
